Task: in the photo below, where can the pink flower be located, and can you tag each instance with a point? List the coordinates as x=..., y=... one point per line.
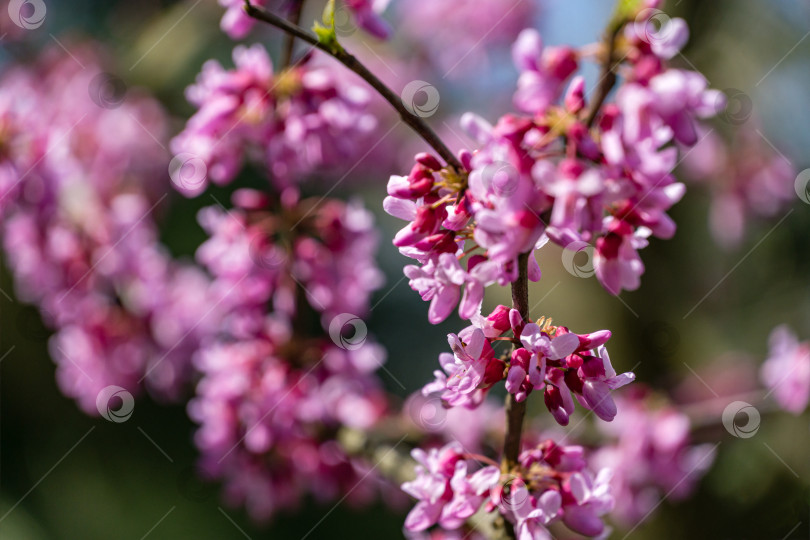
x=616, y=260
x=542, y=71
x=598, y=378
x=458, y=37
x=367, y=16
x=470, y=370
x=746, y=177
x=235, y=22
x=678, y=97
x=528, y=366
x=299, y=120
x=651, y=454
x=786, y=372
x=585, y=500
x=447, y=494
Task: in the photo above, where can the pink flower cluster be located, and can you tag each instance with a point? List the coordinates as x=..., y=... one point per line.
x=560, y=362
x=447, y=493
x=786, y=372
x=237, y=24
x=550, y=484
x=456, y=35
x=746, y=178
x=81, y=178
x=650, y=452
x=275, y=388
x=297, y=121
x=560, y=172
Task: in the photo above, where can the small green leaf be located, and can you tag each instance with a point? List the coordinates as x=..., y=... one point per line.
x=329, y=14
x=326, y=31
x=626, y=10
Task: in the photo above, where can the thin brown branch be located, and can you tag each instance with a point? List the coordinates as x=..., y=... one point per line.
x=515, y=411
x=607, y=75
x=415, y=122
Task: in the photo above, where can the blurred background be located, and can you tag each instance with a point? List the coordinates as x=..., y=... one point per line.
x=696, y=329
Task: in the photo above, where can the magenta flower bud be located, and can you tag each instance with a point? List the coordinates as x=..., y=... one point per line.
x=499, y=318
x=527, y=219
x=428, y=161
x=475, y=260
x=494, y=372
x=465, y=157
x=426, y=220
x=592, y=368
x=573, y=381
x=516, y=321
x=447, y=459
x=594, y=339
x=438, y=243
x=521, y=357
x=560, y=62
x=564, y=458
x=573, y=361
x=571, y=168
x=249, y=199
x=585, y=144
x=554, y=402
x=575, y=96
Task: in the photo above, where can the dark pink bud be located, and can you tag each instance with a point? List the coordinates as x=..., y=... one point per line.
x=516, y=322
x=249, y=199
x=428, y=161
x=475, y=260
x=575, y=96
x=592, y=368
x=448, y=458
x=573, y=361
x=573, y=381
x=560, y=62
x=494, y=371
x=425, y=221
x=571, y=168
x=500, y=319
x=465, y=157
x=608, y=246
x=521, y=357
x=610, y=113
x=554, y=403
x=438, y=243
x=594, y=339
x=527, y=219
